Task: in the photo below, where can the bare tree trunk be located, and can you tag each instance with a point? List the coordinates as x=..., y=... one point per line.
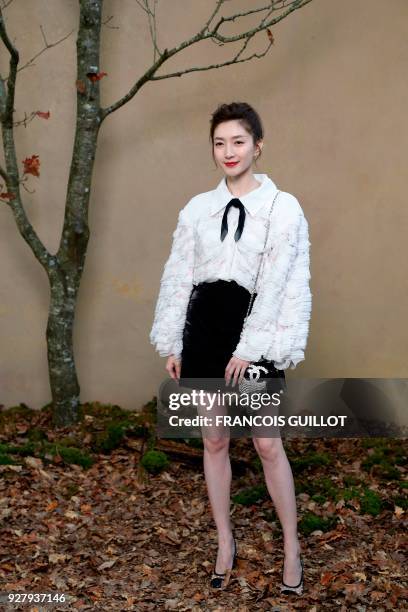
x=64, y=384
x=65, y=276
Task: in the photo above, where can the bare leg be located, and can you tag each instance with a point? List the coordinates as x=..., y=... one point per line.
x=280, y=484
x=217, y=470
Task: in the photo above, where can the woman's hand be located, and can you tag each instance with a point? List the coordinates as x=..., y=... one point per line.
x=173, y=366
x=236, y=368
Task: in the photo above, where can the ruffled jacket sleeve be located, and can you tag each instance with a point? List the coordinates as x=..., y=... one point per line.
x=175, y=289
x=289, y=342
x=263, y=335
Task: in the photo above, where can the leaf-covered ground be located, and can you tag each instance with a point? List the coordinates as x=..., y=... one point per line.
x=81, y=516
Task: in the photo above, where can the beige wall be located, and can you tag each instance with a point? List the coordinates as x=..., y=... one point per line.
x=332, y=94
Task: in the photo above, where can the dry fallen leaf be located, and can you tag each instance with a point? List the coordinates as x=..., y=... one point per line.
x=398, y=511
x=33, y=462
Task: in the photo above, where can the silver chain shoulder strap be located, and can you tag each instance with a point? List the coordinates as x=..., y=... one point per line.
x=262, y=258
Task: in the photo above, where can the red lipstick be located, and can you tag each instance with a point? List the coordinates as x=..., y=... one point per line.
x=231, y=164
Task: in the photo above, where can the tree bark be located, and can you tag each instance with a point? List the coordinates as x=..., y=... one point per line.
x=65, y=275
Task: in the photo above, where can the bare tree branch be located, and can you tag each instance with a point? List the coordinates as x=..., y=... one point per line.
x=105, y=23
x=234, y=60
x=7, y=105
x=140, y=3
x=293, y=6
x=213, y=14
x=11, y=174
x=151, y=16
x=27, y=119
x=209, y=32
x=252, y=35
x=47, y=46
x=271, y=6
x=6, y=4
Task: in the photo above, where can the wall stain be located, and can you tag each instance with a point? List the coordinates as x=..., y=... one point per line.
x=127, y=289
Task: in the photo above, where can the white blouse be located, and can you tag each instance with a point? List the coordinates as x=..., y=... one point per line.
x=278, y=326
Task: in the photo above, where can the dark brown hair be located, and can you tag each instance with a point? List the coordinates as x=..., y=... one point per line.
x=241, y=111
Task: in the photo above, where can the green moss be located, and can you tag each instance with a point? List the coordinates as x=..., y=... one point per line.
x=310, y=460
x=376, y=458
x=154, y=461
x=305, y=486
x=115, y=429
x=151, y=407
x=401, y=501
x=311, y=522
x=46, y=407
x=349, y=480
x=370, y=503
x=25, y=450
x=383, y=460
x=389, y=472
x=6, y=460
x=256, y=465
x=69, y=441
x=384, y=452
x=21, y=410
x=36, y=435
x=381, y=468
x=400, y=455
x=374, y=442
x=69, y=454
x=138, y=431
x=251, y=495
x=75, y=455
x=111, y=438
x=319, y=499
x=326, y=487
x=349, y=493
x=321, y=487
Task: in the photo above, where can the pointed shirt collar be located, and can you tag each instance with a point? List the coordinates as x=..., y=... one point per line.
x=252, y=201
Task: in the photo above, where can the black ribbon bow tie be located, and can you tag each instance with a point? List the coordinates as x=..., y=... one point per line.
x=224, y=223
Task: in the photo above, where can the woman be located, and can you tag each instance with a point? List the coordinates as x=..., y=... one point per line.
x=204, y=295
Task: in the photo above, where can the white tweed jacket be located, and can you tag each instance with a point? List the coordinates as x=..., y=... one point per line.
x=278, y=326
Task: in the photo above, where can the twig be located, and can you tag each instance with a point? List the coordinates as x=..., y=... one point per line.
x=234, y=60
x=211, y=33
x=151, y=16
x=47, y=46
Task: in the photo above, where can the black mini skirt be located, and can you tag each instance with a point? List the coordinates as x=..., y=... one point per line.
x=214, y=320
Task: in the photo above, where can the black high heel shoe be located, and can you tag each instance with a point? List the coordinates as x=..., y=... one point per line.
x=217, y=580
x=286, y=589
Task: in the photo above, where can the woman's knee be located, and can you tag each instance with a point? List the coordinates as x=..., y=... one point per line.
x=216, y=444
x=269, y=449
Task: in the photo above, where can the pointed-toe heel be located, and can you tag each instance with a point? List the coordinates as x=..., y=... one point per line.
x=219, y=581
x=287, y=589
